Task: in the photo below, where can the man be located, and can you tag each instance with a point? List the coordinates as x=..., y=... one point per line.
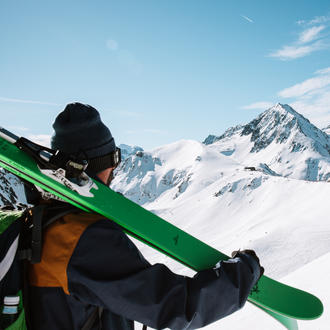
x=92, y=276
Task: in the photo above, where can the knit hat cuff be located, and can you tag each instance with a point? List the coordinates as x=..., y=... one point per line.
x=98, y=164
x=103, y=149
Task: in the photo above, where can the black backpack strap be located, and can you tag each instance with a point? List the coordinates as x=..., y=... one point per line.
x=31, y=234
x=96, y=315
x=56, y=212
x=37, y=215
x=26, y=295
x=36, y=219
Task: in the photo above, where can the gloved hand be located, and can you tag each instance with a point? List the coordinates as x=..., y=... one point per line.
x=252, y=254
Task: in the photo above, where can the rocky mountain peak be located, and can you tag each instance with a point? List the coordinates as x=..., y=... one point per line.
x=275, y=124
x=282, y=122
x=279, y=124
x=127, y=150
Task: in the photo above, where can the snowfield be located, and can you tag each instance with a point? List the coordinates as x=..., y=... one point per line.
x=264, y=186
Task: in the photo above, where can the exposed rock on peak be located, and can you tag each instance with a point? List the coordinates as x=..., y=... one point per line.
x=282, y=138
x=280, y=123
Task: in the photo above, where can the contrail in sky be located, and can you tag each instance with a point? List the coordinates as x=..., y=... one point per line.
x=6, y=99
x=247, y=18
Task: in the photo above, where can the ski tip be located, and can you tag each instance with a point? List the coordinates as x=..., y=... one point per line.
x=286, y=300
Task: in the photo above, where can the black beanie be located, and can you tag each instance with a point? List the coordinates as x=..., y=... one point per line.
x=79, y=131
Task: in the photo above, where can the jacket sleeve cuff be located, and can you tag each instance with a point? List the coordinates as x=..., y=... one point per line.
x=252, y=263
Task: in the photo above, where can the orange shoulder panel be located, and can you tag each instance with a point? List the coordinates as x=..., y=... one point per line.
x=59, y=242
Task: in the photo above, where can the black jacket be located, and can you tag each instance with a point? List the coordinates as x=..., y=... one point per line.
x=88, y=261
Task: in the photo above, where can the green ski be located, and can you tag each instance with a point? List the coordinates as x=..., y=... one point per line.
x=39, y=166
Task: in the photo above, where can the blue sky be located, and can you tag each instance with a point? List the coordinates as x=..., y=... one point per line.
x=162, y=70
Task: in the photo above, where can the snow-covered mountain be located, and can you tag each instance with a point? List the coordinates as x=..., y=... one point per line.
x=165, y=171
x=11, y=189
x=326, y=130
x=127, y=150
x=281, y=138
x=280, y=142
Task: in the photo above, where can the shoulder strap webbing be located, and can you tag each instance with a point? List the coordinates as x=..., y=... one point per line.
x=31, y=234
x=97, y=314
x=36, y=242
x=38, y=222
x=58, y=212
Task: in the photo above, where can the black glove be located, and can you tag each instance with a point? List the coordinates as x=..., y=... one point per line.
x=252, y=254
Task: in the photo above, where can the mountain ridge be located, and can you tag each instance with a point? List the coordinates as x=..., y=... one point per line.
x=280, y=115
x=279, y=136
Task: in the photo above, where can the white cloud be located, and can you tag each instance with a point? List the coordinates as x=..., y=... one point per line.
x=319, y=20
x=18, y=128
x=6, y=99
x=311, y=97
x=301, y=22
x=323, y=71
x=258, y=106
x=112, y=44
x=42, y=139
x=296, y=51
x=247, y=18
x=309, y=40
x=309, y=85
x=315, y=20
x=310, y=34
